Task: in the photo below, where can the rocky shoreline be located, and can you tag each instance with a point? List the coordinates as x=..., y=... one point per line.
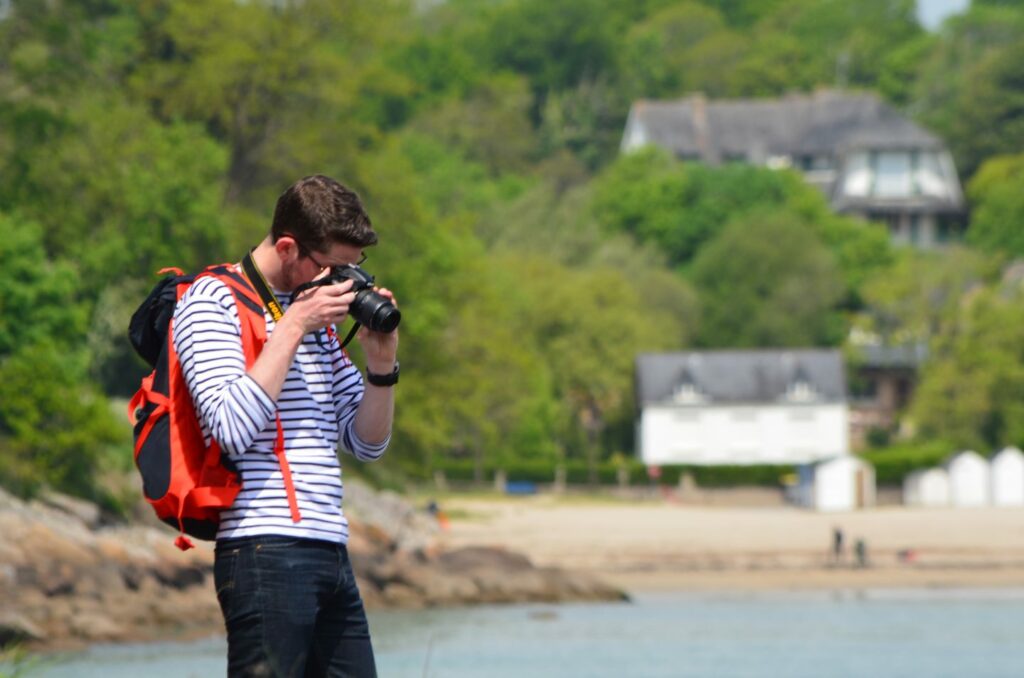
x=67, y=581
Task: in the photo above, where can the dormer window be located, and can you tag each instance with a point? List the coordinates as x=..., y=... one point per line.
x=686, y=391
x=687, y=394
x=801, y=392
x=800, y=389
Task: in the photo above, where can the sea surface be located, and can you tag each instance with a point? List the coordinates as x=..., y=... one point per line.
x=836, y=633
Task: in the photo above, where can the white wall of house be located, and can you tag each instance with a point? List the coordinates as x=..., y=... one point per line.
x=634, y=136
x=1008, y=478
x=749, y=434
x=969, y=480
x=926, y=487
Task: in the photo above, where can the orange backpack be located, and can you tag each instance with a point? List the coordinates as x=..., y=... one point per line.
x=187, y=483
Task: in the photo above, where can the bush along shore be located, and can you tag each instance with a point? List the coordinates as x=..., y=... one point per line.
x=67, y=581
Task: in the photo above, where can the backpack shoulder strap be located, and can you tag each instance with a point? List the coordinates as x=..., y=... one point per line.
x=254, y=335
x=250, y=309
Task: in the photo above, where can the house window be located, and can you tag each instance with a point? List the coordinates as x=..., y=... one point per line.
x=801, y=392
x=686, y=393
x=892, y=174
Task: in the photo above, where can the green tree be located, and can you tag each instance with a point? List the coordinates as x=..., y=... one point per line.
x=682, y=48
x=54, y=428
x=124, y=195
x=678, y=207
x=911, y=300
x=278, y=83
x=997, y=221
x=970, y=391
x=38, y=297
x=555, y=46
x=491, y=126
x=971, y=58
x=768, y=281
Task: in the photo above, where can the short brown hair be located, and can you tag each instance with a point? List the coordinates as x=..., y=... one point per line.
x=318, y=212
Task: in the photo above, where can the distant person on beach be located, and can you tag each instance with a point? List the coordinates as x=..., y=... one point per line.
x=282, y=571
x=837, y=544
x=860, y=550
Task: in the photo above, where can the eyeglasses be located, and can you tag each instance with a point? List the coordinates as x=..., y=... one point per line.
x=308, y=253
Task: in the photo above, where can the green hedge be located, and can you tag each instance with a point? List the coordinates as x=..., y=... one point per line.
x=893, y=463
x=577, y=473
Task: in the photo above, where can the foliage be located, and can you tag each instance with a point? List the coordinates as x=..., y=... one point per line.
x=913, y=300
x=970, y=391
x=531, y=260
x=965, y=89
x=681, y=206
x=997, y=224
x=53, y=428
x=38, y=297
x=893, y=463
x=607, y=473
x=767, y=282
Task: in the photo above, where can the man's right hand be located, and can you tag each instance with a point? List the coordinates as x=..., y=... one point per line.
x=319, y=307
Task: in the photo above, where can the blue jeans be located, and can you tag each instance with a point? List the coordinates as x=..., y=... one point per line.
x=292, y=609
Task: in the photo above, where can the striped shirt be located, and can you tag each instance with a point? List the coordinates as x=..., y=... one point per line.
x=317, y=405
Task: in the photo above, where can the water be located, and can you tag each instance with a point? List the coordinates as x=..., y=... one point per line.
x=873, y=633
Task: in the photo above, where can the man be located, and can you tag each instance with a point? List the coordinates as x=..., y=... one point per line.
x=282, y=572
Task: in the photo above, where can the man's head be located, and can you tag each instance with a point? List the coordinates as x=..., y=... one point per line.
x=318, y=223
x=319, y=212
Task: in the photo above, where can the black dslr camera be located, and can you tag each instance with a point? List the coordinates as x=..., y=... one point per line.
x=369, y=308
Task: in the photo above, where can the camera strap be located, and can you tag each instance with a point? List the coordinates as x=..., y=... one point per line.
x=262, y=287
x=270, y=301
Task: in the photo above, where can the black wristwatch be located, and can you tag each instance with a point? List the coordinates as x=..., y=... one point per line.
x=383, y=379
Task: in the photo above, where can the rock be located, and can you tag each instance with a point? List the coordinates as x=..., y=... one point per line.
x=15, y=628
x=401, y=595
x=483, y=557
x=64, y=581
x=85, y=512
x=95, y=625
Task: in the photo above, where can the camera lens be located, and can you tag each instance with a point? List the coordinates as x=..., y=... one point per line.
x=376, y=312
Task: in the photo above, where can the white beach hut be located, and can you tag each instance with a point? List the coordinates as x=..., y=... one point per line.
x=1007, y=470
x=842, y=483
x=926, y=487
x=969, y=479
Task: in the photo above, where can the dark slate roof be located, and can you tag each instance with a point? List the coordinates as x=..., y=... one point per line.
x=820, y=123
x=906, y=356
x=752, y=376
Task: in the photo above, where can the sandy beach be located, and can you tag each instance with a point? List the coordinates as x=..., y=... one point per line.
x=655, y=545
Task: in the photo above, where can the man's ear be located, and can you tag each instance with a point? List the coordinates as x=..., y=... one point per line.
x=287, y=249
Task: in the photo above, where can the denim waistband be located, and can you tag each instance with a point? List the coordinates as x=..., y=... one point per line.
x=299, y=542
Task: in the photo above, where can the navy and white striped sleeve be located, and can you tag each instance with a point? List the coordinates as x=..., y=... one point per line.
x=231, y=406
x=348, y=394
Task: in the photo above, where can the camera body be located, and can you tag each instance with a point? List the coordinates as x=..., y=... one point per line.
x=369, y=308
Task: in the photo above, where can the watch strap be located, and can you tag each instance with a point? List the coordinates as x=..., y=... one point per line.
x=383, y=379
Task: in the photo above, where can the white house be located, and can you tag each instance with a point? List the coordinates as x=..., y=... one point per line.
x=865, y=156
x=926, y=487
x=1007, y=469
x=741, y=407
x=839, y=484
x=969, y=480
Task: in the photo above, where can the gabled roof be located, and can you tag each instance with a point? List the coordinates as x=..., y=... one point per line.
x=796, y=125
x=904, y=356
x=740, y=377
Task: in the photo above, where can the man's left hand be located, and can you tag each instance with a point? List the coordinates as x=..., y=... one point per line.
x=380, y=348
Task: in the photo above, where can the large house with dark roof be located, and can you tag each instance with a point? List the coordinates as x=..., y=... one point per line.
x=786, y=406
x=866, y=157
